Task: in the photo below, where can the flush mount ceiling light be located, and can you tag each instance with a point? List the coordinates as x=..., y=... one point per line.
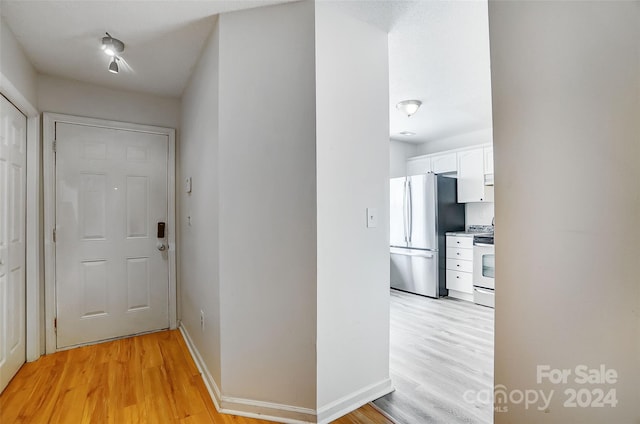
x=112, y=46
x=409, y=107
x=113, y=66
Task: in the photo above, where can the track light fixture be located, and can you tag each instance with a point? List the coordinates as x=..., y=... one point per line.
x=113, y=66
x=112, y=47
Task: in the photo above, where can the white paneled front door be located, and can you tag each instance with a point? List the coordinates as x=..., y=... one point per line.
x=13, y=158
x=111, y=268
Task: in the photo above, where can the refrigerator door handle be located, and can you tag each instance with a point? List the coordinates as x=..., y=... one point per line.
x=410, y=212
x=404, y=210
x=407, y=252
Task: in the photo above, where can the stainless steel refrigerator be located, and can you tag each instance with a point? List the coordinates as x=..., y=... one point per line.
x=423, y=208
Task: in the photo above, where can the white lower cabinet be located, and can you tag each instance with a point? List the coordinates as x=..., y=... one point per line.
x=460, y=267
x=460, y=281
x=464, y=253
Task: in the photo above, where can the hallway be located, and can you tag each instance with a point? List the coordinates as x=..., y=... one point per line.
x=143, y=379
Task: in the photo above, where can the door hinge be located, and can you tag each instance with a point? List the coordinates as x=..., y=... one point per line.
x=54, y=145
x=54, y=235
x=55, y=325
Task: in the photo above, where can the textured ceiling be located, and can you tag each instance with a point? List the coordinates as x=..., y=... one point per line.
x=438, y=50
x=163, y=39
x=447, y=69
x=438, y=54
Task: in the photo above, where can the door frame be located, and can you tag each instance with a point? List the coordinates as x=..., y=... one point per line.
x=33, y=279
x=49, y=125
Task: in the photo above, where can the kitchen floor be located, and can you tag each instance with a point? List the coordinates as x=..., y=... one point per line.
x=441, y=361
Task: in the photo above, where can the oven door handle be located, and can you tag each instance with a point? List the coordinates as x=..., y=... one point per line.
x=484, y=291
x=483, y=244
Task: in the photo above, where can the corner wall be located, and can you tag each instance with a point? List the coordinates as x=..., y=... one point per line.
x=198, y=216
x=566, y=93
x=399, y=152
x=267, y=207
x=352, y=175
x=273, y=157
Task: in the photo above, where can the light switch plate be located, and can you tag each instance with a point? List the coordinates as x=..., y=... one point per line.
x=372, y=217
x=187, y=185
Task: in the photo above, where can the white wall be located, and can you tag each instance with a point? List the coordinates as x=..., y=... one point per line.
x=267, y=204
x=198, y=245
x=17, y=75
x=566, y=95
x=269, y=154
x=478, y=213
x=456, y=142
x=353, y=261
x=399, y=152
x=72, y=97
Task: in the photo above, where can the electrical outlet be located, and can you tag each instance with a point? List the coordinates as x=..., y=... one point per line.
x=201, y=320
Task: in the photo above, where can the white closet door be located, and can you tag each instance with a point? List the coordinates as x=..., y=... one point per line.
x=13, y=159
x=112, y=280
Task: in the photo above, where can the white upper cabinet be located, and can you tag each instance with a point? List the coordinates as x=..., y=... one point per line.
x=447, y=162
x=471, y=170
x=418, y=165
x=473, y=166
x=488, y=160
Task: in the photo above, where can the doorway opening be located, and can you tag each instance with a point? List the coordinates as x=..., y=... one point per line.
x=442, y=316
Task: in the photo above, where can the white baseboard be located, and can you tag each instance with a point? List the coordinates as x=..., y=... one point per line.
x=353, y=401
x=246, y=407
x=209, y=382
x=279, y=412
x=267, y=411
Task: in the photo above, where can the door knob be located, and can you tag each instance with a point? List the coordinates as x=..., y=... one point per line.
x=161, y=246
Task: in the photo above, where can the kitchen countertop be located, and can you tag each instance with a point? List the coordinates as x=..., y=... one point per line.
x=467, y=233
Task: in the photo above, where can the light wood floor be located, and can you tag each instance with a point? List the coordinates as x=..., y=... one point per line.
x=144, y=379
x=439, y=349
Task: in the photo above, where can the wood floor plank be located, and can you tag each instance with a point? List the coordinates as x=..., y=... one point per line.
x=140, y=380
x=439, y=349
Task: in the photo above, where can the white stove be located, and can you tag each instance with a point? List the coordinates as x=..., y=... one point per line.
x=484, y=261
